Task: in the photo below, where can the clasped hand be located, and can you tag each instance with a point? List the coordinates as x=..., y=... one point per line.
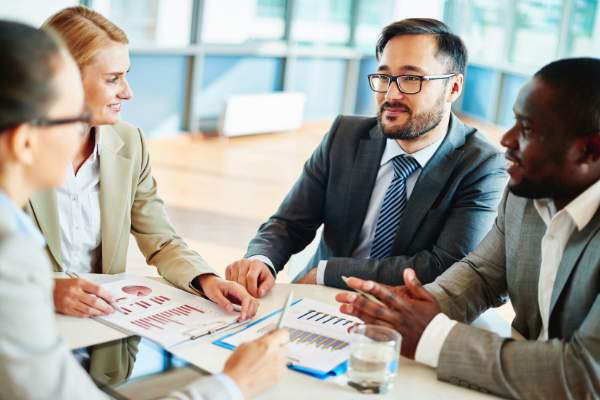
x=409, y=308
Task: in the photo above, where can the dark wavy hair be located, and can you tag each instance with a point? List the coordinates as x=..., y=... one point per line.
x=29, y=60
x=451, y=49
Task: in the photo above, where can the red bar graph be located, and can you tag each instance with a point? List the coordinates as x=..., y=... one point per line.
x=165, y=317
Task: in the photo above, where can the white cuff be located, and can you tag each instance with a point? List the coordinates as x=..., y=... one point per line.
x=232, y=388
x=433, y=339
x=265, y=260
x=321, y=272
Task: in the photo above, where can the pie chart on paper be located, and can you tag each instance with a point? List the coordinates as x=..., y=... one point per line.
x=137, y=290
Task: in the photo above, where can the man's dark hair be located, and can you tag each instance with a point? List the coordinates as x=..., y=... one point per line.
x=451, y=49
x=28, y=62
x=576, y=84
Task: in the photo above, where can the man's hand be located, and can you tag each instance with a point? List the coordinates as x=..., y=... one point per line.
x=224, y=293
x=74, y=297
x=254, y=275
x=309, y=279
x=411, y=308
x=258, y=365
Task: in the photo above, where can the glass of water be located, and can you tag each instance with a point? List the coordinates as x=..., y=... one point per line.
x=374, y=354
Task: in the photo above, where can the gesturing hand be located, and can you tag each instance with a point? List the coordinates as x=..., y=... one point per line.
x=410, y=308
x=74, y=297
x=224, y=292
x=258, y=365
x=254, y=275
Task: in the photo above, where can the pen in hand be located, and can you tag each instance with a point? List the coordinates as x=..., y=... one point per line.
x=73, y=275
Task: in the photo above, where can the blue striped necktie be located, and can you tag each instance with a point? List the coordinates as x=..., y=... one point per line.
x=393, y=207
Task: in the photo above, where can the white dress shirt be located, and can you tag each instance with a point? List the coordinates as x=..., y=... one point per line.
x=79, y=215
x=560, y=226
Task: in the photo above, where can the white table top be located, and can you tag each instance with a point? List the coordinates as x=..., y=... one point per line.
x=413, y=380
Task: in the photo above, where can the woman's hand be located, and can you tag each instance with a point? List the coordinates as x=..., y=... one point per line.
x=74, y=297
x=259, y=365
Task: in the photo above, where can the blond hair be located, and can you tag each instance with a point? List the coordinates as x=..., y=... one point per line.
x=84, y=32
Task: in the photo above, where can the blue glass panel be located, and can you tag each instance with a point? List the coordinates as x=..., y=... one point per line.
x=365, y=97
x=158, y=84
x=323, y=82
x=223, y=76
x=477, y=91
x=512, y=85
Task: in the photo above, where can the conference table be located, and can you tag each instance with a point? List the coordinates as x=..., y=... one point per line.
x=413, y=380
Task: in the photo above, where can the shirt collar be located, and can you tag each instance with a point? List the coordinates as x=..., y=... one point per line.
x=21, y=222
x=581, y=209
x=393, y=149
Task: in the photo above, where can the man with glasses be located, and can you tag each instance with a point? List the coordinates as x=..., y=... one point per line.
x=412, y=188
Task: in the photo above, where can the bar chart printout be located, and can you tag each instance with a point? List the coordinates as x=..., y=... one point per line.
x=161, y=313
x=319, y=337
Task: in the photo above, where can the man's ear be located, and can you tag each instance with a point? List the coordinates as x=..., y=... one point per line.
x=592, y=147
x=456, y=86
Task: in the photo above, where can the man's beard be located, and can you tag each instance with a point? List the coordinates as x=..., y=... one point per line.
x=417, y=125
x=541, y=189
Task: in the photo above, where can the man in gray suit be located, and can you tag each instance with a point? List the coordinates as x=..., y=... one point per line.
x=543, y=253
x=412, y=188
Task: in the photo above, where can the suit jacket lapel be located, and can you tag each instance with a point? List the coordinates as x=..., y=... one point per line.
x=429, y=185
x=45, y=207
x=529, y=259
x=362, y=181
x=573, y=252
x=115, y=188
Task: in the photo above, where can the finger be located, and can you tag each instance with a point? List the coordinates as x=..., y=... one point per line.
x=97, y=290
x=349, y=309
x=247, y=306
x=415, y=286
x=385, y=294
x=373, y=309
x=219, y=296
x=242, y=297
x=99, y=306
x=267, y=284
x=235, y=269
x=342, y=297
x=355, y=283
x=89, y=310
x=278, y=337
x=253, y=275
x=228, y=272
x=242, y=277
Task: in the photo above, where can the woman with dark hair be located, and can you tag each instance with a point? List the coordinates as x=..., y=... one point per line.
x=42, y=119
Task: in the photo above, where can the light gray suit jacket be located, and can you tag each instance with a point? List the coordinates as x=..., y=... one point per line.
x=34, y=362
x=450, y=210
x=507, y=262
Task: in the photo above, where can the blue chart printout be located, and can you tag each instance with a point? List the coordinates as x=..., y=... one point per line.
x=319, y=338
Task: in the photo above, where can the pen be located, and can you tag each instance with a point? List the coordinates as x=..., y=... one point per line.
x=288, y=303
x=367, y=295
x=113, y=305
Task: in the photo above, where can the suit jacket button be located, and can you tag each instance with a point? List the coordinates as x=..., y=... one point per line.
x=473, y=387
x=464, y=384
x=454, y=381
x=482, y=390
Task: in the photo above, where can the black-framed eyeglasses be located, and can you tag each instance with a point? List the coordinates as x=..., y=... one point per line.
x=407, y=84
x=84, y=118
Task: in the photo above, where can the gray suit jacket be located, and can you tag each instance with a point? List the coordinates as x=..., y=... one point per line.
x=34, y=362
x=507, y=262
x=451, y=208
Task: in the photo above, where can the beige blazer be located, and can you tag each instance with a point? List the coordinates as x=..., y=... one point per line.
x=35, y=363
x=128, y=203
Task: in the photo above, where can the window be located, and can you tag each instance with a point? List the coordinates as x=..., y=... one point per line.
x=581, y=28
x=32, y=12
x=537, y=32
x=162, y=23
x=322, y=22
x=323, y=82
x=243, y=21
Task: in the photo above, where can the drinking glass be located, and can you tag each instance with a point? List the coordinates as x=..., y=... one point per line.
x=374, y=354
